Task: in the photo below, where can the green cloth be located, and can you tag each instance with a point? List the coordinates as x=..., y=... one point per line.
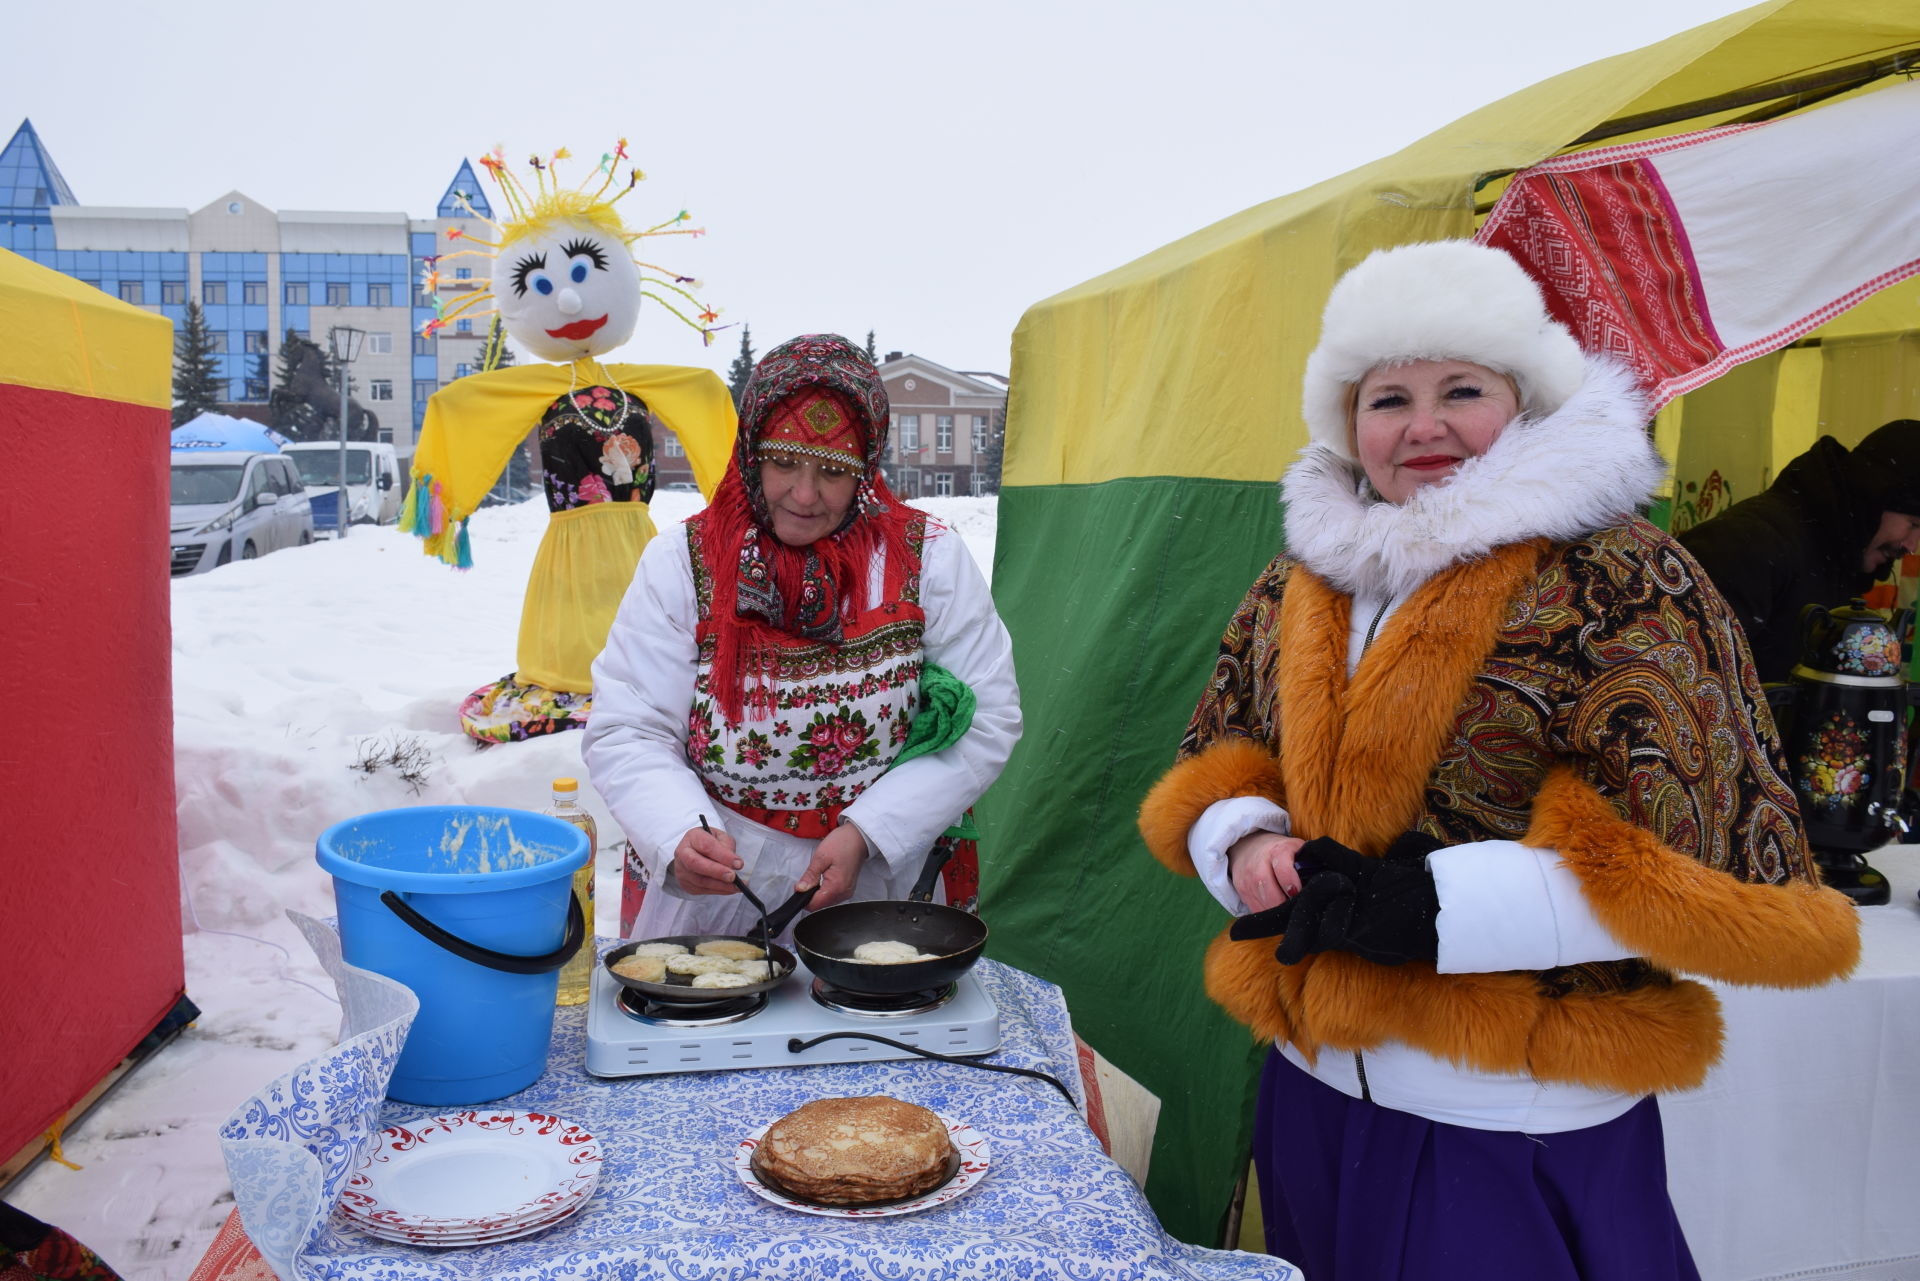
x=1116, y=626
x=945, y=715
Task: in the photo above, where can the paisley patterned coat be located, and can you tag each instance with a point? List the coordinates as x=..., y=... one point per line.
x=1559, y=674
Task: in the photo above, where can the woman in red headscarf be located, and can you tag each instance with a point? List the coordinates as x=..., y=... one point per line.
x=767, y=665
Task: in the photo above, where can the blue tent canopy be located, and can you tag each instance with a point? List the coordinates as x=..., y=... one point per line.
x=218, y=431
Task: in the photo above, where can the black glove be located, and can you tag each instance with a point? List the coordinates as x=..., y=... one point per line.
x=1380, y=909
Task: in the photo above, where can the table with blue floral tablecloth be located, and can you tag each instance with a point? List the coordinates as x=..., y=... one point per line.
x=669, y=1204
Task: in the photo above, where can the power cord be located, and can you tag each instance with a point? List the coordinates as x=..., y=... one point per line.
x=795, y=1045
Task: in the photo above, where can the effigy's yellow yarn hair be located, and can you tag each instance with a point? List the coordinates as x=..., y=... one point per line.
x=536, y=208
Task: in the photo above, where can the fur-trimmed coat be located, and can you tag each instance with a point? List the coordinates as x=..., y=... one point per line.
x=1558, y=674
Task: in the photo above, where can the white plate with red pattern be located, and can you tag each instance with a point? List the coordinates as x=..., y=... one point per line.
x=968, y=1144
x=472, y=1173
x=446, y=1240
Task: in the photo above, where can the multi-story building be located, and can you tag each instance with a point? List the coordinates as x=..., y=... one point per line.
x=258, y=273
x=946, y=427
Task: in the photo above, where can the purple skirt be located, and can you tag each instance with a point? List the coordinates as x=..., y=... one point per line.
x=1352, y=1191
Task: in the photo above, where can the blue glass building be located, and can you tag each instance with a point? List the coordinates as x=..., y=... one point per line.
x=259, y=274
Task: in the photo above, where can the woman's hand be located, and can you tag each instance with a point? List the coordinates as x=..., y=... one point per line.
x=704, y=862
x=1261, y=866
x=835, y=866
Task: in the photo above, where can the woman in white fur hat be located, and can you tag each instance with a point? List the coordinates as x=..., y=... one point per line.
x=1481, y=751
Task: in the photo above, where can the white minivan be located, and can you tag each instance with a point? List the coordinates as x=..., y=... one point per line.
x=234, y=505
x=374, y=491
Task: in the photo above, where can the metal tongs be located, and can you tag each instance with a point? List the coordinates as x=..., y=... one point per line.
x=769, y=925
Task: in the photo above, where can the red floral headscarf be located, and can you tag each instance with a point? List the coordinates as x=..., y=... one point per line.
x=818, y=395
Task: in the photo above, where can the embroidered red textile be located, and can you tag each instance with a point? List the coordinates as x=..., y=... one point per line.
x=767, y=593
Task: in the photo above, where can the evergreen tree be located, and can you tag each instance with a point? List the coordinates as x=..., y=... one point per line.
x=995, y=452
x=197, y=385
x=873, y=354
x=497, y=353
x=742, y=366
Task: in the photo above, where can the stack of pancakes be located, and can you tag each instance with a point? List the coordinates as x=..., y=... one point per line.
x=855, y=1151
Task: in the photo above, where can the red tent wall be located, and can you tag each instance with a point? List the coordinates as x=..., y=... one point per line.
x=89, y=874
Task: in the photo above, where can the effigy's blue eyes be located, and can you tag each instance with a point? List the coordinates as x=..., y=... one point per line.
x=579, y=272
x=544, y=285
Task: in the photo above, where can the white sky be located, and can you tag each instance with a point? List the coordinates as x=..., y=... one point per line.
x=924, y=169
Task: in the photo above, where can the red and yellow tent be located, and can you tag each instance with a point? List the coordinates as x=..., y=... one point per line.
x=89, y=860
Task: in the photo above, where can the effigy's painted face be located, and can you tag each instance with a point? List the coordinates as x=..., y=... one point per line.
x=566, y=291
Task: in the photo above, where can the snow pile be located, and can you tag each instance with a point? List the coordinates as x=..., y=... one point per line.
x=309, y=686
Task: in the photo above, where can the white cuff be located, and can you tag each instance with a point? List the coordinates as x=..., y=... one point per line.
x=1508, y=906
x=1214, y=833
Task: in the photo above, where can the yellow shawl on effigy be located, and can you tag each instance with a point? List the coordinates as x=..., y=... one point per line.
x=474, y=424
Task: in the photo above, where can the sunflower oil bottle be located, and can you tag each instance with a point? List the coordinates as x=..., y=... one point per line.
x=576, y=977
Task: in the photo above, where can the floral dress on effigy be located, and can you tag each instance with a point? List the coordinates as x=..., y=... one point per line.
x=596, y=447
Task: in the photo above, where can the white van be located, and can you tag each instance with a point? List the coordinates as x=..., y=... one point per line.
x=234, y=505
x=374, y=488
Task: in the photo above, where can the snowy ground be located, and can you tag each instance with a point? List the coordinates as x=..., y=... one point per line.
x=286, y=672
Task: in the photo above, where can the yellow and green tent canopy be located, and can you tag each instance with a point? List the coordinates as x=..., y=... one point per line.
x=1152, y=409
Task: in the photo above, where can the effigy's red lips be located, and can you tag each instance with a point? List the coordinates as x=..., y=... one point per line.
x=578, y=329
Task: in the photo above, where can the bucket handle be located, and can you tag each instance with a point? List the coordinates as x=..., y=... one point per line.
x=502, y=961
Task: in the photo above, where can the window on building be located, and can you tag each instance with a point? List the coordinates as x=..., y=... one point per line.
x=462, y=370
x=943, y=433
x=979, y=434
x=943, y=484
x=174, y=292
x=380, y=389
x=254, y=293
x=909, y=432
x=379, y=295
x=339, y=294
x=463, y=326
x=217, y=339
x=670, y=446
x=130, y=292
x=301, y=334
x=256, y=341
x=380, y=344
x=422, y=345
x=256, y=389
x=463, y=273
x=976, y=483
x=213, y=291
x=296, y=293
x=423, y=390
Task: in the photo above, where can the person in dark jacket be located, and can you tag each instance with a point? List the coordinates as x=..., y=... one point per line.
x=1832, y=522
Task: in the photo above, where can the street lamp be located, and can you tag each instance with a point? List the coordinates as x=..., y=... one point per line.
x=345, y=342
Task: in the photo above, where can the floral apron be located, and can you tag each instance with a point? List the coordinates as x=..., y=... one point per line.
x=840, y=713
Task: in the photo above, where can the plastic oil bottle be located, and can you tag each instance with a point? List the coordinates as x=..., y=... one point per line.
x=576, y=978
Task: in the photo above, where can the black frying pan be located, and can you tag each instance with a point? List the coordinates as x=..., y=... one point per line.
x=679, y=989
x=826, y=938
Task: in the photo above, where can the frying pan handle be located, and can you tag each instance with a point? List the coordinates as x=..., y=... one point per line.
x=780, y=917
x=922, y=891
x=506, y=962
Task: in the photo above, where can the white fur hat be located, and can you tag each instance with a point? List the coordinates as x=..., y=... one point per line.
x=1445, y=300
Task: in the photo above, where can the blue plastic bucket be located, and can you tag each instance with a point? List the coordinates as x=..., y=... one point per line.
x=472, y=907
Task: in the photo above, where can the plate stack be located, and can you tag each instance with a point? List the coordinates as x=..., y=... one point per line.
x=472, y=1178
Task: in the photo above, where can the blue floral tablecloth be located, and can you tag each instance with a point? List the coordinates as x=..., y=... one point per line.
x=669, y=1204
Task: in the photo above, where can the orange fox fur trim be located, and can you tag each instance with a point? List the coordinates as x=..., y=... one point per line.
x=1683, y=916
x=1232, y=767
x=1357, y=756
